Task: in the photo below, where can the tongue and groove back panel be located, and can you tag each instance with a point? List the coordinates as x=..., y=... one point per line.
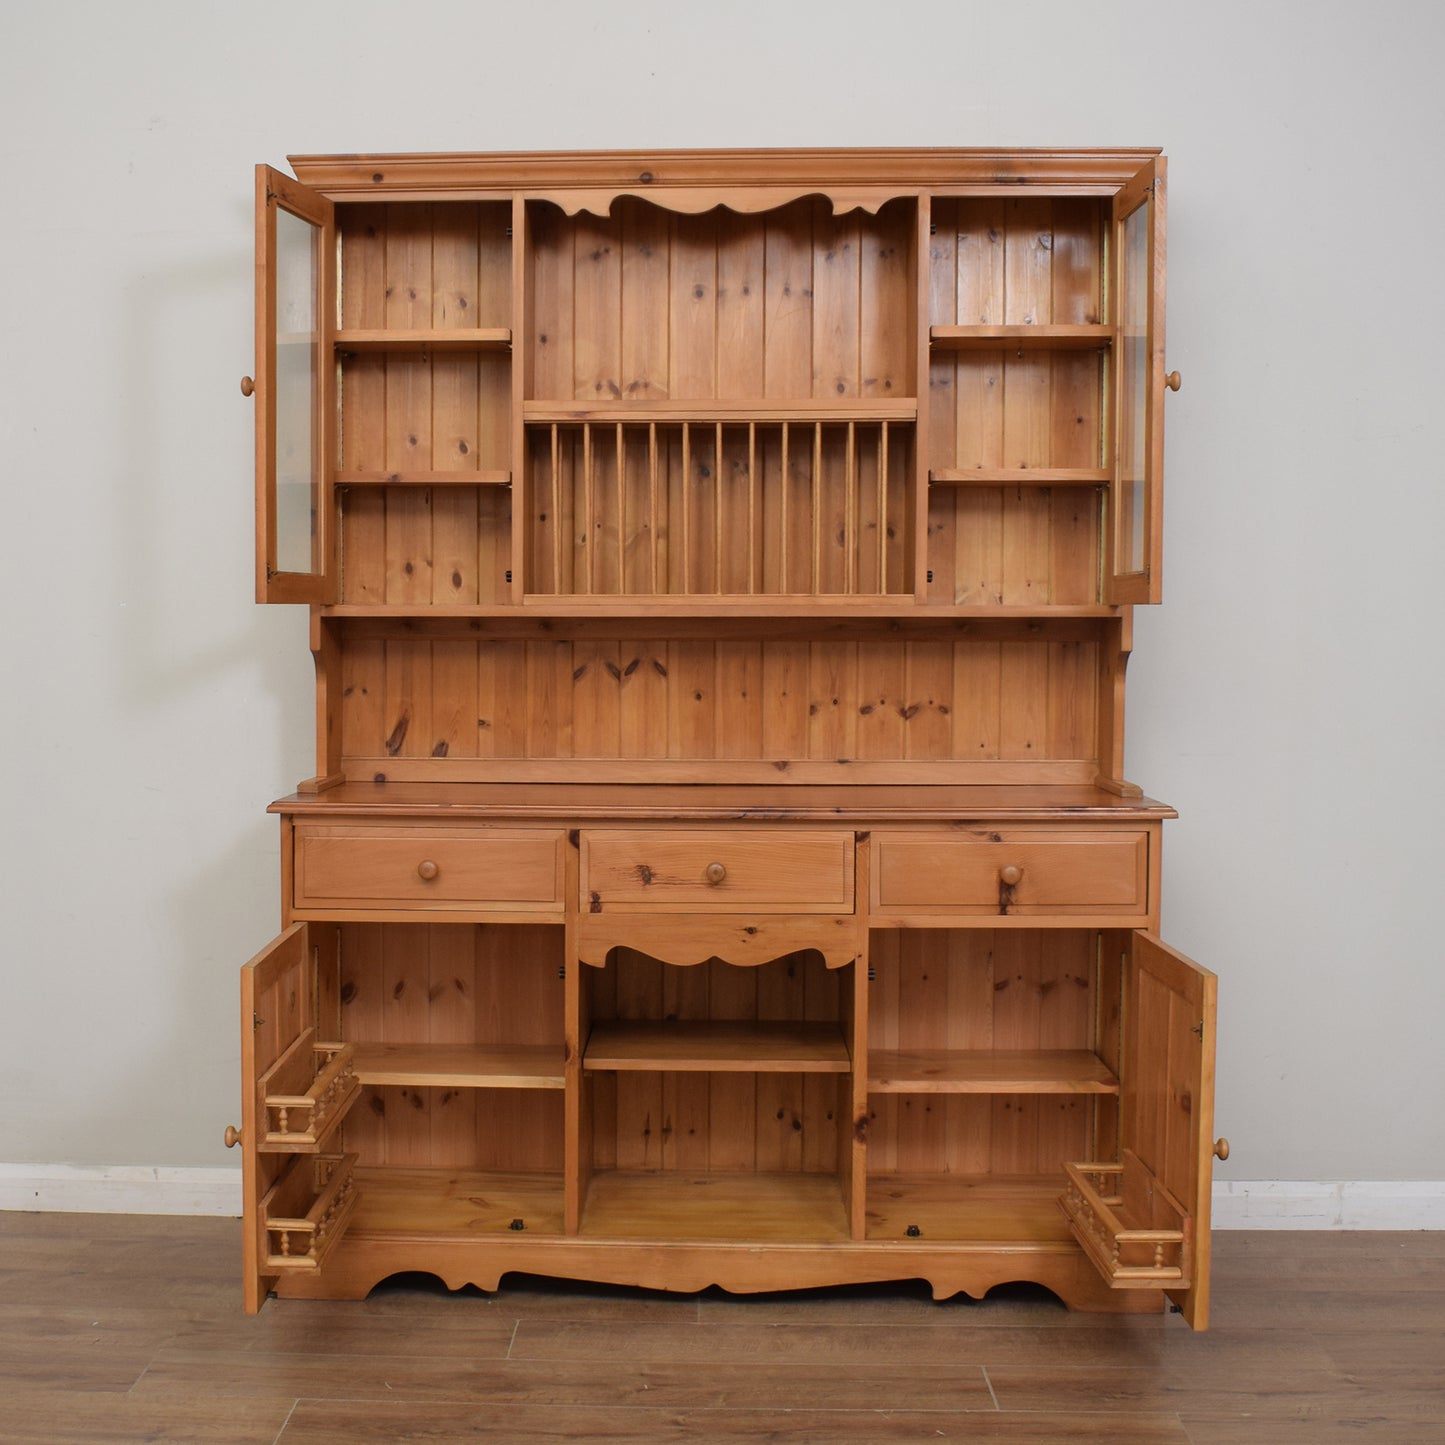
x=763, y=709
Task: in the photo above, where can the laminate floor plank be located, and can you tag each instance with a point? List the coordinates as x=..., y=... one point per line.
x=1122, y=1342
x=1348, y=1429
x=62, y=1417
x=118, y=1328
x=607, y=1384
x=321, y=1423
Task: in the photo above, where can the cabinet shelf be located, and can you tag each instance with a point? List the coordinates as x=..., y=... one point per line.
x=1004, y=1209
x=1080, y=337
x=398, y=340
x=460, y=1066
x=628, y=1204
x=540, y=606
x=494, y=477
x=1018, y=476
x=989, y=1071
x=708, y=1046
x=452, y=1201
x=706, y=410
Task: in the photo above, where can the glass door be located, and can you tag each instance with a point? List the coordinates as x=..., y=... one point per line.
x=1135, y=513
x=295, y=329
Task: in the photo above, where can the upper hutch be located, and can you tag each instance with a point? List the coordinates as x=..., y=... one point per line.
x=719, y=867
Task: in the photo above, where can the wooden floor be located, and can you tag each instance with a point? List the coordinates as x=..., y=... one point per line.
x=122, y=1327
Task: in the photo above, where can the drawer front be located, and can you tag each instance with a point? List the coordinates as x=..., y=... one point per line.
x=459, y=869
x=1020, y=872
x=718, y=870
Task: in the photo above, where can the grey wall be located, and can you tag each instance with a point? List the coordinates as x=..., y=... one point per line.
x=1287, y=698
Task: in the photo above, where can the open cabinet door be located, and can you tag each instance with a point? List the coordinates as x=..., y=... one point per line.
x=295, y=391
x=1133, y=554
x=1144, y=1219
x=295, y=1091
x=1167, y=1095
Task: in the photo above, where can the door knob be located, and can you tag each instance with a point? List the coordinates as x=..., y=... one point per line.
x=1221, y=1148
x=1010, y=875
x=247, y=386
x=427, y=869
x=715, y=872
x=233, y=1136
x=1173, y=381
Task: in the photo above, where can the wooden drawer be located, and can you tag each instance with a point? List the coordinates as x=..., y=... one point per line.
x=1012, y=873
x=459, y=870
x=718, y=870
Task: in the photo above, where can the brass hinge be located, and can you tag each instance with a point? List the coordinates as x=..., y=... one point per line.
x=1198, y=1031
x=255, y=1021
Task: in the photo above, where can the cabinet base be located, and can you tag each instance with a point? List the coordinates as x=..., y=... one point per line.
x=360, y=1262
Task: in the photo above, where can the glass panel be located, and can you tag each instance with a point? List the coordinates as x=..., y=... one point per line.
x=1133, y=392
x=296, y=376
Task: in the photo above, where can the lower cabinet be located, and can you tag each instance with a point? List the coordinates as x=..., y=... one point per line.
x=971, y=1104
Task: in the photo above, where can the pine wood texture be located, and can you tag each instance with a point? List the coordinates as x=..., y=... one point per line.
x=718, y=867
x=1011, y=873
x=418, y=868
x=719, y=871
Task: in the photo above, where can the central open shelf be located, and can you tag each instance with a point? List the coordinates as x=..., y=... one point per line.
x=718, y=1046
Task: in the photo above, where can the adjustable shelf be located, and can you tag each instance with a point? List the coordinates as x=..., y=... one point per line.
x=460, y=1066
x=398, y=340
x=1086, y=336
x=708, y=1046
x=1018, y=476
x=481, y=477
x=989, y=1071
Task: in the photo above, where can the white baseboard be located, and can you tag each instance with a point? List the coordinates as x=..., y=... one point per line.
x=1238, y=1203
x=1329, y=1204
x=119, y=1189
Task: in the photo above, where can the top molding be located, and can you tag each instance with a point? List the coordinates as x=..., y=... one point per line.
x=744, y=180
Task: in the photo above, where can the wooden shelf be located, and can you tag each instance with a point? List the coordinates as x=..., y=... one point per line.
x=460, y=1066
x=1082, y=337
x=707, y=410
x=983, y=1208
x=670, y=1205
x=989, y=1071
x=475, y=338
x=475, y=478
x=1018, y=477
x=706, y=1046
x=452, y=1201
x=758, y=605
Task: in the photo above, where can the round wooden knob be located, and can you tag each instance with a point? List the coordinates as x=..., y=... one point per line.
x=1010, y=875
x=247, y=386
x=715, y=872
x=1173, y=380
x=427, y=869
x=233, y=1136
x=1221, y=1148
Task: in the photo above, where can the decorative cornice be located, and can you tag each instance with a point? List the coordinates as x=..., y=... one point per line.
x=745, y=180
